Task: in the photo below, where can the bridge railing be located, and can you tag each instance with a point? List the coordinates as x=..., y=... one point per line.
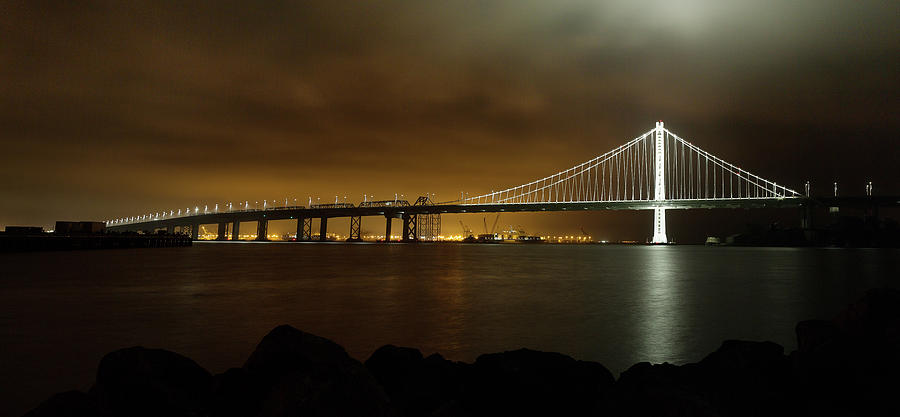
x=385, y=203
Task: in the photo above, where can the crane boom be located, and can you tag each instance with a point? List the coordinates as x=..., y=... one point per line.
x=465, y=229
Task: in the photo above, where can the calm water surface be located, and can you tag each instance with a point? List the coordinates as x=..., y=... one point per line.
x=60, y=312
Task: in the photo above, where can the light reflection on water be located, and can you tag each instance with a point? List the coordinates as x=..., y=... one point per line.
x=213, y=302
x=660, y=322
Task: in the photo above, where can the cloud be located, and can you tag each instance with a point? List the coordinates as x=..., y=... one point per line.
x=175, y=101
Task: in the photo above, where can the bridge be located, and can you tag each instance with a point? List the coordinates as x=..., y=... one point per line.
x=656, y=171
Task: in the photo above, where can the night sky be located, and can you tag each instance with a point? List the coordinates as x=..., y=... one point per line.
x=121, y=108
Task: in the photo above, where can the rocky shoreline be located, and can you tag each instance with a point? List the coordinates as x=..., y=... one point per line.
x=847, y=366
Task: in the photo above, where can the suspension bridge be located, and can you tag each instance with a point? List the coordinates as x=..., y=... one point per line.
x=656, y=171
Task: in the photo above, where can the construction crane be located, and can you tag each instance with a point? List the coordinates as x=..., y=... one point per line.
x=466, y=231
x=494, y=227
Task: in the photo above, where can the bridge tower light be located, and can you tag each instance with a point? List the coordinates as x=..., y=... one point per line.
x=659, y=213
x=807, y=188
x=835, y=188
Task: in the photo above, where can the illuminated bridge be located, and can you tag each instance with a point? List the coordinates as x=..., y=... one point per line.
x=656, y=171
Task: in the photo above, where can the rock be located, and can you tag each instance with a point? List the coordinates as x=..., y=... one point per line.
x=150, y=382
x=849, y=366
x=528, y=382
x=67, y=404
x=746, y=378
x=235, y=394
x=304, y=374
x=814, y=333
x=664, y=389
x=418, y=386
x=391, y=365
x=739, y=379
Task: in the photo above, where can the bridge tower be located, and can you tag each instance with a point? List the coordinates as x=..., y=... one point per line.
x=659, y=213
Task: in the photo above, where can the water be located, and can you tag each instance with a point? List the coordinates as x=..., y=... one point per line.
x=60, y=312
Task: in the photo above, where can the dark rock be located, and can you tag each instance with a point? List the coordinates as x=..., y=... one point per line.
x=150, y=382
x=744, y=378
x=739, y=379
x=391, y=365
x=417, y=386
x=528, y=382
x=308, y=375
x=67, y=404
x=814, y=333
x=661, y=390
x=850, y=365
x=235, y=394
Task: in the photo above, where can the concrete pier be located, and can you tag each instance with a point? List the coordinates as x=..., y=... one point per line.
x=323, y=228
x=223, y=228
x=262, y=229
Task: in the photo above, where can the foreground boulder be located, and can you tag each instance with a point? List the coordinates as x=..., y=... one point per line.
x=850, y=365
x=67, y=404
x=304, y=374
x=418, y=386
x=528, y=382
x=661, y=390
x=150, y=382
x=739, y=379
x=235, y=394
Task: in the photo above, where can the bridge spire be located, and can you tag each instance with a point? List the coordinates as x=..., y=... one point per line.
x=659, y=213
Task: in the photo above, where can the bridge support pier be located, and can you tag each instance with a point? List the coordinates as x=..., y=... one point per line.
x=304, y=229
x=387, y=228
x=170, y=229
x=806, y=214
x=235, y=230
x=323, y=228
x=355, y=229
x=410, y=228
x=262, y=230
x=659, y=226
x=195, y=232
x=223, y=228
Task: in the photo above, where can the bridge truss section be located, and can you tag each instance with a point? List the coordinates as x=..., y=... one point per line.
x=428, y=226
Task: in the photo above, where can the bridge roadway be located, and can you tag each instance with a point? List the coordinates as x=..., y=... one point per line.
x=407, y=213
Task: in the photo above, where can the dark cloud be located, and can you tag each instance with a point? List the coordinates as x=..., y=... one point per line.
x=108, y=109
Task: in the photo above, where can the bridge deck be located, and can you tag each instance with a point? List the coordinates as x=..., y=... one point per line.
x=295, y=212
